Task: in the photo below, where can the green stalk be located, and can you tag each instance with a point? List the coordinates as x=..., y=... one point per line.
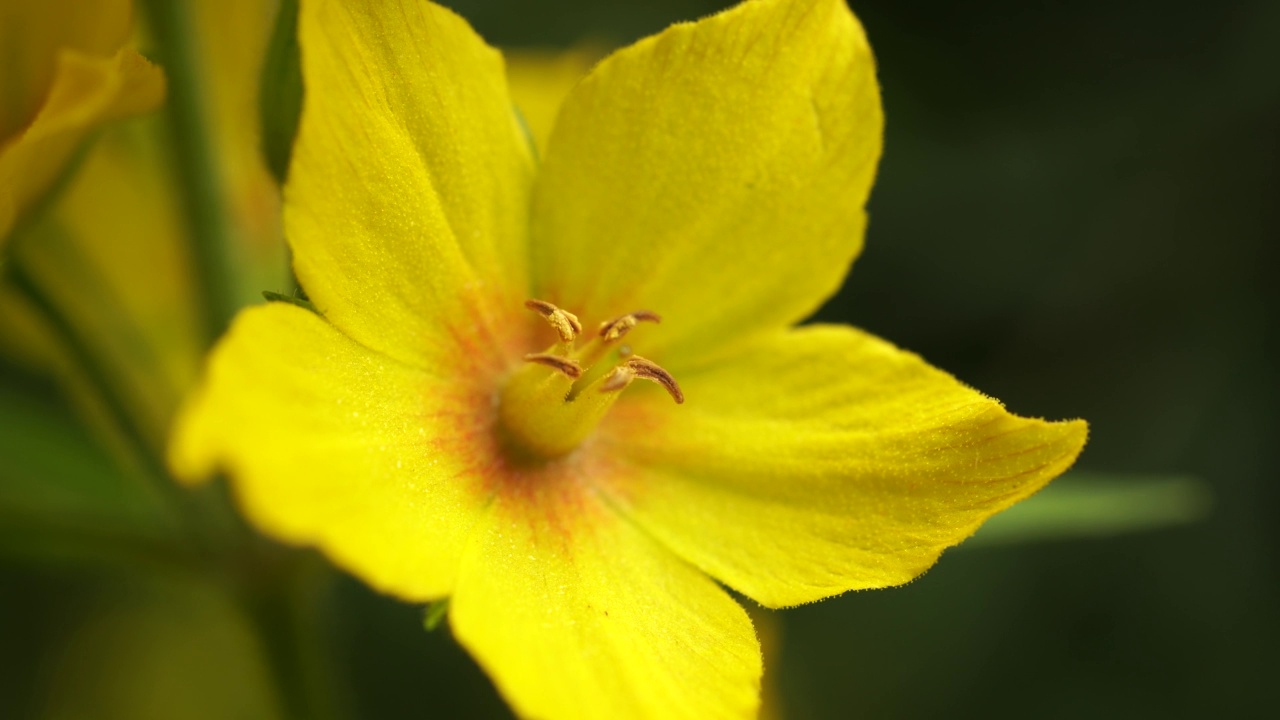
x=287, y=603
x=205, y=204
x=283, y=596
x=85, y=361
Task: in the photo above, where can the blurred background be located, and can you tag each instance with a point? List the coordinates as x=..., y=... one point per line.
x=1076, y=213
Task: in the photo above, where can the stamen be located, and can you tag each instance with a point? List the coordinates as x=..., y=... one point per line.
x=546, y=415
x=565, y=323
x=649, y=370
x=609, y=333
x=563, y=365
x=616, y=328
x=617, y=379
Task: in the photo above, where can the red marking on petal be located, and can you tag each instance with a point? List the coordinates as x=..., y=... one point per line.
x=555, y=495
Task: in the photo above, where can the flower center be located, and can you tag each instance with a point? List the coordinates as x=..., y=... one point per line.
x=552, y=403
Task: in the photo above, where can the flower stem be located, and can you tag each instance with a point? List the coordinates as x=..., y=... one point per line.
x=85, y=361
x=205, y=204
x=288, y=608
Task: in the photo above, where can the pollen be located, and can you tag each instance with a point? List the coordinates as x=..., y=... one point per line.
x=616, y=328
x=565, y=323
x=638, y=367
x=564, y=365
x=555, y=401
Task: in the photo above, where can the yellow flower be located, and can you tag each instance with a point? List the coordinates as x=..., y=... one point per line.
x=65, y=70
x=437, y=439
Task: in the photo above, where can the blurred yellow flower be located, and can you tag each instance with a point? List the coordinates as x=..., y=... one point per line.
x=438, y=439
x=111, y=256
x=65, y=71
x=113, y=252
x=172, y=648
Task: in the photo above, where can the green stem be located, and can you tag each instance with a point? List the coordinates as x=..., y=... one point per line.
x=289, y=609
x=195, y=160
x=85, y=361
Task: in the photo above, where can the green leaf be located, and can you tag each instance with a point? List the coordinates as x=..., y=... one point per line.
x=436, y=613
x=1097, y=505
x=280, y=91
x=528, y=133
x=304, y=303
x=62, y=499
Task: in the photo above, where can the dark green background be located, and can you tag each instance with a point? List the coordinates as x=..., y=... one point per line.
x=1076, y=213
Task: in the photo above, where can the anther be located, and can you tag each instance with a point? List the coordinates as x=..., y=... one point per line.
x=565, y=323
x=564, y=365
x=616, y=328
x=617, y=379
x=638, y=367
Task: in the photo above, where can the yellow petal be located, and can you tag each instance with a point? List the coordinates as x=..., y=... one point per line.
x=407, y=198
x=86, y=91
x=575, y=613
x=715, y=173
x=823, y=460
x=330, y=444
x=541, y=80
x=770, y=630
x=31, y=36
